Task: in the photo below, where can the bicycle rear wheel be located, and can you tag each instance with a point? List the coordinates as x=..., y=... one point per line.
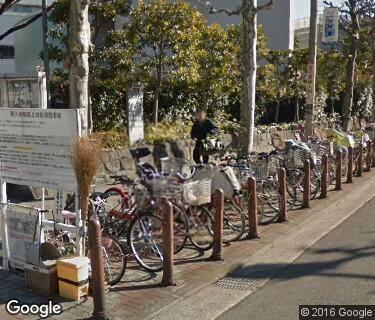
x=270, y=202
x=145, y=240
x=200, y=227
x=234, y=222
x=114, y=259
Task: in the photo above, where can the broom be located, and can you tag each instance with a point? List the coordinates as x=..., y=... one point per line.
x=86, y=160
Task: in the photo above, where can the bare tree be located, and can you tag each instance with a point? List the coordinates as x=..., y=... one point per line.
x=351, y=12
x=248, y=10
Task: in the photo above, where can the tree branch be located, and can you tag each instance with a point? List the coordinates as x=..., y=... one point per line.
x=25, y=24
x=7, y=5
x=265, y=6
x=212, y=10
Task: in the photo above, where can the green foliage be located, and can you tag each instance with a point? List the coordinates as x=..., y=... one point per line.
x=111, y=139
x=167, y=131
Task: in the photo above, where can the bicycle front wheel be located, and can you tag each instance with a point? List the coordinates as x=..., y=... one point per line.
x=145, y=239
x=114, y=260
x=200, y=228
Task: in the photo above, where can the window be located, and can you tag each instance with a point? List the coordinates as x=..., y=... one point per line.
x=21, y=9
x=6, y=52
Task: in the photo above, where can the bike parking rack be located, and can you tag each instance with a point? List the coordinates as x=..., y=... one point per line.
x=252, y=209
x=217, y=254
x=338, y=170
x=369, y=156
x=168, y=244
x=281, y=175
x=350, y=165
x=360, y=161
x=324, y=177
x=306, y=184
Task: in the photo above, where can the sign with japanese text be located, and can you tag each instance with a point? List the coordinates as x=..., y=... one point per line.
x=35, y=147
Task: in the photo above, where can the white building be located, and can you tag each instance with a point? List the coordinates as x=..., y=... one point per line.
x=20, y=51
x=278, y=22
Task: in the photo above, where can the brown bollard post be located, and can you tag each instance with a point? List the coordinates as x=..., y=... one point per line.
x=369, y=155
x=350, y=165
x=306, y=184
x=253, y=210
x=324, y=178
x=373, y=158
x=360, y=161
x=168, y=243
x=217, y=254
x=338, y=170
x=281, y=175
x=97, y=269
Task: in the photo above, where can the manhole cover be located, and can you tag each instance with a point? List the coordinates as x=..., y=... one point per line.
x=235, y=282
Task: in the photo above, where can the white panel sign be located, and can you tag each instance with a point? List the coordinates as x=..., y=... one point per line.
x=23, y=231
x=331, y=25
x=135, y=114
x=35, y=147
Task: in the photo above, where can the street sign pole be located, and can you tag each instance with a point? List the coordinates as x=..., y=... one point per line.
x=311, y=71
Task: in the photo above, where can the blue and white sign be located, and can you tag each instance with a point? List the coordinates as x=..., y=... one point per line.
x=330, y=25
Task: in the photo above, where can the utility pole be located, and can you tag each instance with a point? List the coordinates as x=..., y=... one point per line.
x=311, y=72
x=45, y=49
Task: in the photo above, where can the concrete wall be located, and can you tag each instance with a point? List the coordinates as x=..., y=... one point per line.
x=121, y=162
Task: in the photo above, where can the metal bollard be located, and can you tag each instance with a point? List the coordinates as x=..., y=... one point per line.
x=253, y=210
x=360, y=161
x=168, y=244
x=369, y=155
x=338, y=170
x=373, y=158
x=217, y=254
x=306, y=185
x=350, y=165
x=324, y=178
x=281, y=174
x=97, y=269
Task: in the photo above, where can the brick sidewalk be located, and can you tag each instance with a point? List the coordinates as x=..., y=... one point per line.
x=140, y=295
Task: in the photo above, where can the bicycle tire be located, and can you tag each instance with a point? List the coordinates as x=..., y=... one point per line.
x=234, y=223
x=274, y=201
x=203, y=239
x=149, y=255
x=120, y=255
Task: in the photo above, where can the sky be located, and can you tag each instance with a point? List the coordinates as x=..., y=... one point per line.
x=302, y=7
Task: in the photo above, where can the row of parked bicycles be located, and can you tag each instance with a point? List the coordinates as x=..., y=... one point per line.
x=130, y=210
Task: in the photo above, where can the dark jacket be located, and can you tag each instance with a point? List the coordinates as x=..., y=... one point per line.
x=201, y=130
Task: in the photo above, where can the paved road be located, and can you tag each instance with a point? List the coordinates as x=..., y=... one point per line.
x=338, y=269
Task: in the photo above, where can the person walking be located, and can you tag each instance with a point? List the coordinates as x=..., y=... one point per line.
x=202, y=128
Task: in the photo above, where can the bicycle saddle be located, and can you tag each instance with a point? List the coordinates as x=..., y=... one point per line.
x=139, y=153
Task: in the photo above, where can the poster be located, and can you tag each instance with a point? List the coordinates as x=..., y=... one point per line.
x=35, y=147
x=23, y=231
x=331, y=25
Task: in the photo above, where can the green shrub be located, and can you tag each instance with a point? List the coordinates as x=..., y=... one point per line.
x=167, y=131
x=111, y=139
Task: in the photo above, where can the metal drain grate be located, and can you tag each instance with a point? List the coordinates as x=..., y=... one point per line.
x=234, y=282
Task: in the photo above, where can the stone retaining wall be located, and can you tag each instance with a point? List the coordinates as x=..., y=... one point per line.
x=121, y=162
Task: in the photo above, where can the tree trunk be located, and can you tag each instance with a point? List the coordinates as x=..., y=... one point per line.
x=249, y=67
x=350, y=69
x=45, y=50
x=79, y=45
x=296, y=115
x=349, y=86
x=157, y=93
x=277, y=113
x=373, y=73
x=332, y=105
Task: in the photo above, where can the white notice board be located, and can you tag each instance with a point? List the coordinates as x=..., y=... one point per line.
x=35, y=147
